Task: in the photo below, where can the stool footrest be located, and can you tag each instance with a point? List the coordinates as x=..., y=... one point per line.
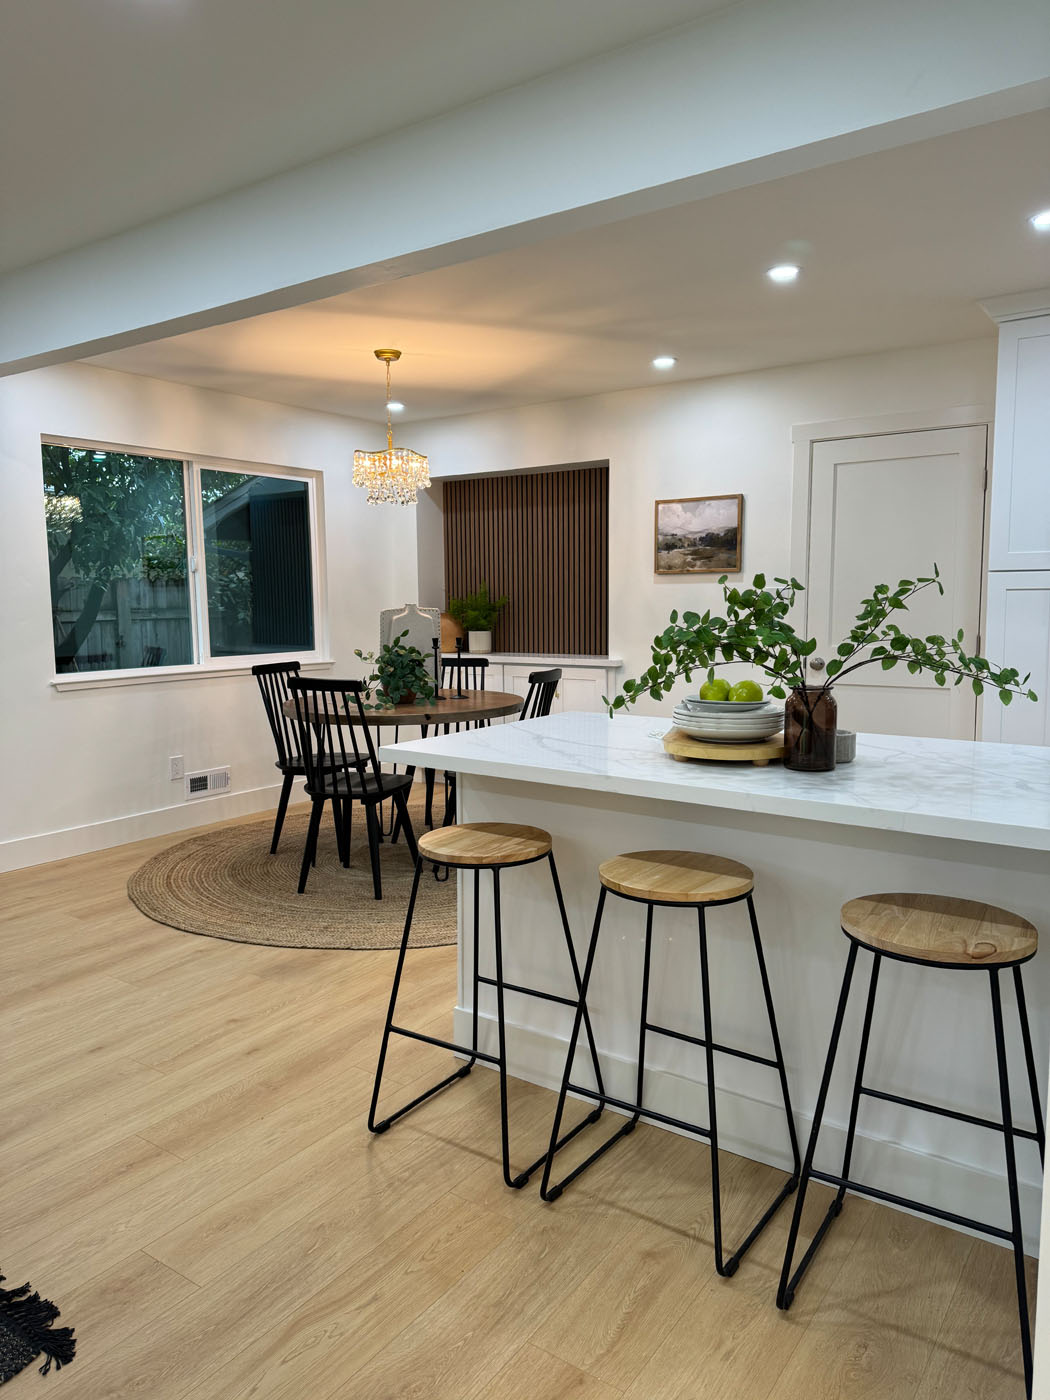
x=701, y=1041
x=529, y=991
x=445, y=1045
x=947, y=1113
x=830, y=1179
x=607, y=1101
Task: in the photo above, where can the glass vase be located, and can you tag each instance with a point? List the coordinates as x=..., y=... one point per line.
x=810, y=726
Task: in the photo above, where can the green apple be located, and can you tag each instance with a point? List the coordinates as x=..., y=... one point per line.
x=746, y=690
x=718, y=689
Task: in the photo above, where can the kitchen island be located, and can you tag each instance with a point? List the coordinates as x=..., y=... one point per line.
x=964, y=819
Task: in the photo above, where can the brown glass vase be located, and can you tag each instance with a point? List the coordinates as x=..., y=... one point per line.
x=810, y=727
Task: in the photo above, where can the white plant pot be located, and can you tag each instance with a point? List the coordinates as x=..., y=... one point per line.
x=479, y=643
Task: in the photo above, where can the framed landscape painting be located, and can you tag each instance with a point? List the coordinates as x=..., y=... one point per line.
x=699, y=535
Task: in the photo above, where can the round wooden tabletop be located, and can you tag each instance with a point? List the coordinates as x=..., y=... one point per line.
x=447, y=708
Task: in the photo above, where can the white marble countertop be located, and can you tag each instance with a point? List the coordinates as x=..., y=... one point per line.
x=993, y=793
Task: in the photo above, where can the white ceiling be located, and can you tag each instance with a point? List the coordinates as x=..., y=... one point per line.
x=896, y=250
x=119, y=111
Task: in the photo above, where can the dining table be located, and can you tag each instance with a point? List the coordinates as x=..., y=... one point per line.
x=447, y=707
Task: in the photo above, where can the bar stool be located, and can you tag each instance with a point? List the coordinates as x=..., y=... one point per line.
x=931, y=931
x=676, y=880
x=478, y=846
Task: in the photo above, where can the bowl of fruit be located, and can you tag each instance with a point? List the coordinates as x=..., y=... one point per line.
x=731, y=714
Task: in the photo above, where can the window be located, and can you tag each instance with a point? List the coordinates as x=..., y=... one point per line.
x=160, y=562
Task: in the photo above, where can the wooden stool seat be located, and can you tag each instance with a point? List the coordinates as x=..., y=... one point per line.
x=936, y=928
x=676, y=877
x=485, y=844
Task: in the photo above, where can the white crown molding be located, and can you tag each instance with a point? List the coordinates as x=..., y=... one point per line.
x=1017, y=306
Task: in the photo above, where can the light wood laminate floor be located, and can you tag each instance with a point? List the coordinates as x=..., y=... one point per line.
x=187, y=1173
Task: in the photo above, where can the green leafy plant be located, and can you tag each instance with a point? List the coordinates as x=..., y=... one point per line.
x=477, y=612
x=755, y=629
x=398, y=673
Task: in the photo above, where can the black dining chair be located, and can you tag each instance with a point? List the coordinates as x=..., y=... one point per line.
x=457, y=673
x=543, y=687
x=342, y=768
x=273, y=680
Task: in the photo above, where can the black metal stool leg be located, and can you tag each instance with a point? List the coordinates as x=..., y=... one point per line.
x=1029, y=1059
x=788, y=1281
x=712, y=1111
x=476, y=968
x=547, y=1191
x=517, y=1182
x=576, y=979
x=388, y=1028
x=1011, y=1179
x=854, y=1108
x=796, y=1156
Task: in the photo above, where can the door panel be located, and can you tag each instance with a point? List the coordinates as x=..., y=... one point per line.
x=1019, y=635
x=886, y=508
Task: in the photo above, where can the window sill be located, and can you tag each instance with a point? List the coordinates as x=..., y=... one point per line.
x=160, y=675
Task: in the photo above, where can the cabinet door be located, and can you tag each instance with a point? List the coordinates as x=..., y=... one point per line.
x=1019, y=635
x=1019, y=537
x=582, y=689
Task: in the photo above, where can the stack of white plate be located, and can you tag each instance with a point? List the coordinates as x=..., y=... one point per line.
x=729, y=721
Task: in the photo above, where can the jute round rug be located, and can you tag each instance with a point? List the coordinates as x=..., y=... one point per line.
x=227, y=885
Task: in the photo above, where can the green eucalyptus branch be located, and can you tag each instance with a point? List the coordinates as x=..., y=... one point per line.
x=755, y=631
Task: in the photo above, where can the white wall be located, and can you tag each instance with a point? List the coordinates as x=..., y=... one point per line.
x=706, y=437
x=84, y=770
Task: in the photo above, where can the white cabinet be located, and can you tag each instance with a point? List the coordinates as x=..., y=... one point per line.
x=584, y=680
x=1020, y=520
x=1018, y=634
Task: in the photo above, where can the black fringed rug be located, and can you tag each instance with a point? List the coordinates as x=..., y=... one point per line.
x=26, y=1332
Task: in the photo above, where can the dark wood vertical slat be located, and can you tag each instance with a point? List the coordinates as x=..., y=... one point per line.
x=542, y=539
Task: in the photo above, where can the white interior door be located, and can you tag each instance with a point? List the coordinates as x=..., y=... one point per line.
x=882, y=509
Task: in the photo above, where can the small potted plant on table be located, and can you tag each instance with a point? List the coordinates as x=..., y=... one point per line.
x=755, y=630
x=477, y=614
x=400, y=675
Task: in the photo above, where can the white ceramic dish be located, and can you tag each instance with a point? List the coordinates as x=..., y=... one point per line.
x=714, y=707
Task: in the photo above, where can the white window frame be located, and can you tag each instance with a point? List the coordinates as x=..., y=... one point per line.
x=204, y=664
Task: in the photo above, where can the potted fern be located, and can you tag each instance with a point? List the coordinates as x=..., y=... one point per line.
x=754, y=629
x=477, y=614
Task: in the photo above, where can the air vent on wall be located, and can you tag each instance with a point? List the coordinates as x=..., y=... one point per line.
x=207, y=784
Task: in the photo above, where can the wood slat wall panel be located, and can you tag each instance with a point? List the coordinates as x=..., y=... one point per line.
x=543, y=540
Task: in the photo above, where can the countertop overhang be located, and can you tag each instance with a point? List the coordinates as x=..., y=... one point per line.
x=993, y=793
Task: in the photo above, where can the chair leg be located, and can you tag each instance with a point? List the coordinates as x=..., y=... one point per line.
x=1011, y=1180
x=341, y=810
x=788, y=1281
x=404, y=823
x=1029, y=1058
x=388, y=1028
x=310, y=849
x=282, y=808
x=372, y=824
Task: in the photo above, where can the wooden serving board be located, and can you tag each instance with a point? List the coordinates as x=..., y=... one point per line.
x=682, y=746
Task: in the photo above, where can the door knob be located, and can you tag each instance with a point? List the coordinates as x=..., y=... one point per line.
x=817, y=663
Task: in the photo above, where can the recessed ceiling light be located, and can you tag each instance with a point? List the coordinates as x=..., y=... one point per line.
x=783, y=272
x=664, y=362
x=396, y=406
x=1041, y=221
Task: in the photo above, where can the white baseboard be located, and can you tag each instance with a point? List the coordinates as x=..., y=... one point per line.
x=24, y=851
x=747, y=1126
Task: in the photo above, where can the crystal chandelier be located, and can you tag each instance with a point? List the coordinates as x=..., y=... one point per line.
x=396, y=474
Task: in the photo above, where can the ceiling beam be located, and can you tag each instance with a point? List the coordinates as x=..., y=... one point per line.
x=762, y=89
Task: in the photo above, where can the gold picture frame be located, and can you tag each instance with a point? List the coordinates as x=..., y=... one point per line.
x=698, y=535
